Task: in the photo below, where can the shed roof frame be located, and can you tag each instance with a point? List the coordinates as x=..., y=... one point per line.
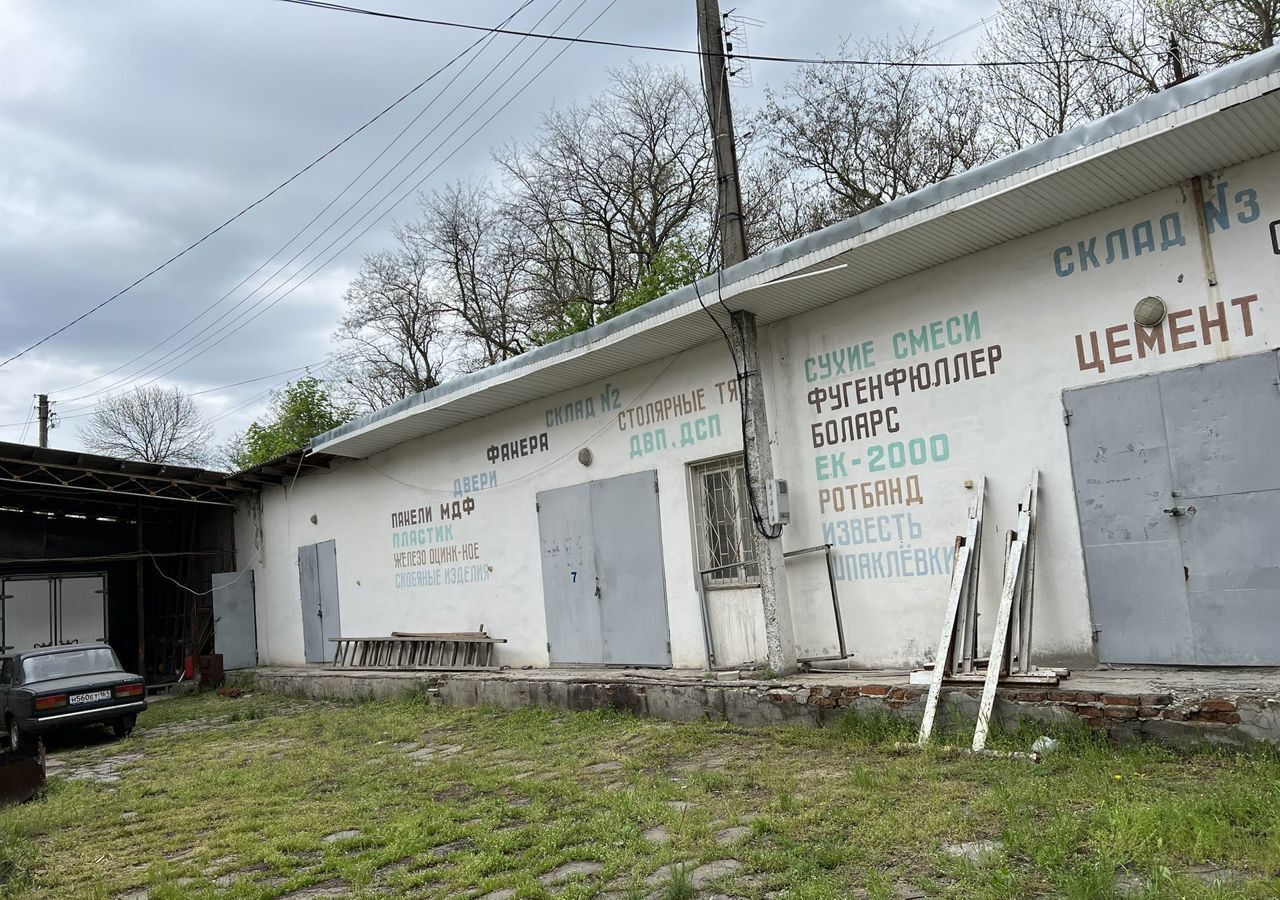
x=66, y=470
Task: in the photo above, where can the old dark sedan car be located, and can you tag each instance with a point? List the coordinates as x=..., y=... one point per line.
x=72, y=684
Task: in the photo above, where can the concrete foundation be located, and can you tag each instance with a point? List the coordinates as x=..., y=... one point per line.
x=1180, y=707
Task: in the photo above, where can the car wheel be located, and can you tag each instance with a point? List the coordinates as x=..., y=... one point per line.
x=123, y=725
x=17, y=739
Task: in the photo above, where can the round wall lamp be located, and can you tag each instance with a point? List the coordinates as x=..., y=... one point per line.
x=1149, y=312
x=584, y=456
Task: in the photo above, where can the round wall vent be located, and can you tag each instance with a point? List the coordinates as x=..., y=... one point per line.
x=1149, y=312
x=584, y=456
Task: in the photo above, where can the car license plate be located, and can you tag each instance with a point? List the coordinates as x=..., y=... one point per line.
x=81, y=699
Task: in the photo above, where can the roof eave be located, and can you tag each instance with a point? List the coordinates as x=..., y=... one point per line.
x=1150, y=124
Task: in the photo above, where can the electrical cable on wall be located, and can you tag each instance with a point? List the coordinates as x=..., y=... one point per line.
x=155, y=562
x=741, y=374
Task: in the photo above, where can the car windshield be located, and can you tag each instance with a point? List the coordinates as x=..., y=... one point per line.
x=89, y=661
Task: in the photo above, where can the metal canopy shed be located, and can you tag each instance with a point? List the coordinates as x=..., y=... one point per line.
x=145, y=538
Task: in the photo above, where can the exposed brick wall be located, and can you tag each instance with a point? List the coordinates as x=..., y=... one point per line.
x=1101, y=710
x=1176, y=718
x=1096, y=710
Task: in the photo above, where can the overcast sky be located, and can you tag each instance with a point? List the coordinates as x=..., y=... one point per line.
x=128, y=128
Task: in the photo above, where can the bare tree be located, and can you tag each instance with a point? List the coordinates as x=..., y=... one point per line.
x=1239, y=28
x=1079, y=60
x=604, y=188
x=870, y=134
x=394, y=339
x=1212, y=33
x=778, y=203
x=479, y=262
x=151, y=424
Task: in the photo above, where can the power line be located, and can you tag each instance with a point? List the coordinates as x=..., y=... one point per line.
x=794, y=60
x=301, y=230
x=201, y=344
x=183, y=252
x=224, y=387
x=262, y=395
x=963, y=31
x=205, y=346
x=31, y=411
x=254, y=380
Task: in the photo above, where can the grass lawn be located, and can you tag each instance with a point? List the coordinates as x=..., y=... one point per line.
x=264, y=796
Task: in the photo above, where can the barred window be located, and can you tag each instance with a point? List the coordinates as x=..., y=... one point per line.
x=722, y=519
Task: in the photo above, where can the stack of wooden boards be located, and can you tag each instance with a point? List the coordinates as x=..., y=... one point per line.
x=457, y=650
x=956, y=659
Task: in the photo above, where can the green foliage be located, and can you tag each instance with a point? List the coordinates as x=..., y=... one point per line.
x=297, y=414
x=673, y=268
x=876, y=728
x=242, y=797
x=680, y=886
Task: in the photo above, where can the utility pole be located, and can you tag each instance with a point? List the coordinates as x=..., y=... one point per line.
x=715, y=79
x=1175, y=52
x=1175, y=60
x=43, y=406
x=778, y=626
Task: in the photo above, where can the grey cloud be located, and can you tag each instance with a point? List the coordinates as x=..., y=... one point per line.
x=129, y=128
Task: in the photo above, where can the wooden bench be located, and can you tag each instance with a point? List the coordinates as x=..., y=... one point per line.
x=414, y=650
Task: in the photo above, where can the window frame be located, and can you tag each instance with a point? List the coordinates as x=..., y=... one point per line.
x=738, y=551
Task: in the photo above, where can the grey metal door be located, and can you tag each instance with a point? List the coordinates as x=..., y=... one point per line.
x=570, y=587
x=82, y=609
x=235, y=627
x=26, y=612
x=633, y=601
x=1224, y=438
x=1178, y=488
x=1132, y=551
x=318, y=579
x=602, y=573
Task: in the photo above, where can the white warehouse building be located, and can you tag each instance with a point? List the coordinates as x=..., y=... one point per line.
x=984, y=327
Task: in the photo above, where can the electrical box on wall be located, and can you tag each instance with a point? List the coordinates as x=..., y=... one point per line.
x=777, y=502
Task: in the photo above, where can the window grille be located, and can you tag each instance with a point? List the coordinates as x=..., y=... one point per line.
x=722, y=519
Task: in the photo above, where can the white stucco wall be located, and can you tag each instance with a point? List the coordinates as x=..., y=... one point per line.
x=354, y=503
x=1012, y=297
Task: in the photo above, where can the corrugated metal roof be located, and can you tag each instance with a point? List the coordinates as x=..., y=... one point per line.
x=1200, y=126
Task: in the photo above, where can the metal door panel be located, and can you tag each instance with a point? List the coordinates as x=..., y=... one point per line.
x=235, y=627
x=309, y=584
x=27, y=613
x=1223, y=422
x=82, y=609
x=1231, y=548
x=1120, y=460
x=1140, y=605
x=569, y=583
x=628, y=546
x=1133, y=558
x=330, y=617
